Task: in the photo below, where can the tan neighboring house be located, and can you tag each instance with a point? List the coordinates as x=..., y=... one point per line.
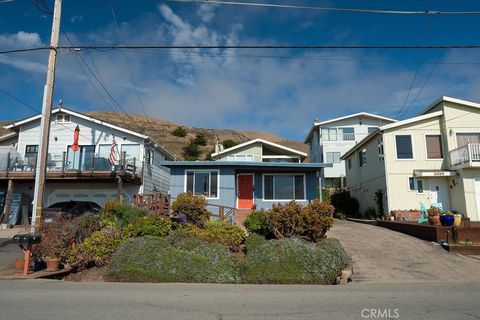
x=433, y=158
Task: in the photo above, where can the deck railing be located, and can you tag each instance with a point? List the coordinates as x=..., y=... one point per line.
x=466, y=154
x=61, y=163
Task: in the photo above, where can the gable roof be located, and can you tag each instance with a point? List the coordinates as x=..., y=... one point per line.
x=359, y=114
x=8, y=136
x=450, y=99
x=362, y=142
x=275, y=145
x=79, y=115
x=91, y=119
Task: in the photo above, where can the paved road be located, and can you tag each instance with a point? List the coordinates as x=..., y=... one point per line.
x=51, y=299
x=382, y=255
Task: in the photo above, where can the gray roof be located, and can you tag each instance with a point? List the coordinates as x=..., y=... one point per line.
x=248, y=165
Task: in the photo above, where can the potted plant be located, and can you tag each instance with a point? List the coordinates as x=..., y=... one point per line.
x=51, y=246
x=447, y=219
x=434, y=216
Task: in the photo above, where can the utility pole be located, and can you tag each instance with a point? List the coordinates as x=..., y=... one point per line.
x=45, y=120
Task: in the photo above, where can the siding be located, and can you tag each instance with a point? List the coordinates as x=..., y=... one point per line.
x=252, y=149
x=156, y=179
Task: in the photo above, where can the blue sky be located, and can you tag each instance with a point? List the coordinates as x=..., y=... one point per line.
x=278, y=91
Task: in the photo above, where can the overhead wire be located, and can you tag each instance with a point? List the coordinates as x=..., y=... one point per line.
x=330, y=9
x=130, y=73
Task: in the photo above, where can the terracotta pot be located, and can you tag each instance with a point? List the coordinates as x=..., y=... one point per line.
x=52, y=264
x=458, y=220
x=19, y=264
x=434, y=220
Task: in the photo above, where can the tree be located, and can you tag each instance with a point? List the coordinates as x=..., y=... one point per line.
x=200, y=139
x=192, y=151
x=229, y=143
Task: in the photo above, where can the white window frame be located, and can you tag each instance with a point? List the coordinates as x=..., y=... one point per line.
x=413, y=146
x=441, y=144
x=381, y=150
x=360, y=155
x=284, y=174
x=62, y=116
x=333, y=157
x=203, y=171
x=236, y=156
x=415, y=185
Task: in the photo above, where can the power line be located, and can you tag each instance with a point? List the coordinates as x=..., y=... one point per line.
x=24, y=50
x=130, y=73
x=427, y=33
x=331, y=9
x=36, y=110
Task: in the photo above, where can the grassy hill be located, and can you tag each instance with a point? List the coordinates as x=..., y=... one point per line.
x=161, y=132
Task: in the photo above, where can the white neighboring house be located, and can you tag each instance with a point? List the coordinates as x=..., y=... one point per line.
x=433, y=158
x=84, y=175
x=330, y=139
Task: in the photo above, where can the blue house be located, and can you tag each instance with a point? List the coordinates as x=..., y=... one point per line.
x=249, y=176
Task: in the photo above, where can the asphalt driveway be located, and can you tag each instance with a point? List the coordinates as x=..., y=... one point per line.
x=382, y=255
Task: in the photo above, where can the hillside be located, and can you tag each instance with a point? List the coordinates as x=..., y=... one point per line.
x=161, y=132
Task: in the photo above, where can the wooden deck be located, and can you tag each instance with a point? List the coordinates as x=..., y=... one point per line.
x=71, y=175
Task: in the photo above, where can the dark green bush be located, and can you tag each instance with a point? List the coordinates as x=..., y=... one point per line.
x=179, y=132
x=188, y=208
x=228, y=143
x=257, y=223
x=184, y=238
x=254, y=241
x=370, y=213
x=344, y=203
x=96, y=250
x=148, y=226
x=293, y=260
x=154, y=259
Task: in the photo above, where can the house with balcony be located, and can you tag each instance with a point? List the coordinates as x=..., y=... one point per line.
x=85, y=174
x=330, y=139
x=253, y=175
x=430, y=159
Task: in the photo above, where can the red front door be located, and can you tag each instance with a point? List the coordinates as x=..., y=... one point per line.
x=245, y=191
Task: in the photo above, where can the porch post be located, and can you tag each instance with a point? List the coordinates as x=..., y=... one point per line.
x=320, y=190
x=8, y=201
x=119, y=188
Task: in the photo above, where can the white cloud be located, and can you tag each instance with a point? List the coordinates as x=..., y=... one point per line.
x=206, y=12
x=19, y=40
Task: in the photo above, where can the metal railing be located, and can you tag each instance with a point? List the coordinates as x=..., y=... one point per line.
x=61, y=163
x=465, y=154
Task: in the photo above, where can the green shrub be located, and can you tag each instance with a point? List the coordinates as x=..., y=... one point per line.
x=344, y=203
x=188, y=208
x=254, y=241
x=85, y=225
x=121, y=213
x=185, y=238
x=256, y=223
x=370, y=213
x=148, y=226
x=222, y=232
x=96, y=250
x=200, y=139
x=318, y=217
x=154, y=259
x=179, y=132
x=326, y=194
x=294, y=260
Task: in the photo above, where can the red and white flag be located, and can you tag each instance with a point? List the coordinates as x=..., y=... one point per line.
x=112, y=158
